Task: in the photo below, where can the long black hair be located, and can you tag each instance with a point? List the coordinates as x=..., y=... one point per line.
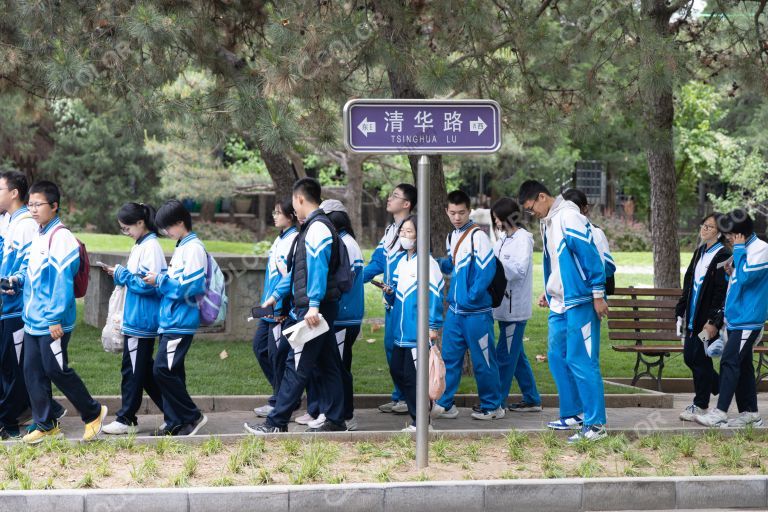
x=286, y=208
x=507, y=211
x=131, y=213
x=341, y=222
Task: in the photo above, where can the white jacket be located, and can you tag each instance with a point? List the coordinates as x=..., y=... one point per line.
x=515, y=253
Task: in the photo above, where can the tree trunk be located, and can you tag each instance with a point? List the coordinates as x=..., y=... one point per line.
x=281, y=171
x=441, y=226
x=208, y=211
x=656, y=92
x=353, y=198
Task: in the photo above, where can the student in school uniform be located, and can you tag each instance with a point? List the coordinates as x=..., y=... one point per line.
x=269, y=331
x=469, y=321
x=140, y=314
x=744, y=318
x=314, y=292
x=514, y=250
x=178, y=318
x=18, y=236
x=400, y=203
x=403, y=294
x=49, y=315
x=574, y=275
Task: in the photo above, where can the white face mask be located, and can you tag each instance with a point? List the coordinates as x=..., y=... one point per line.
x=407, y=243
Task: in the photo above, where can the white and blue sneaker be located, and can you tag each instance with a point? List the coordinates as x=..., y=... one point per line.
x=567, y=423
x=589, y=433
x=484, y=414
x=440, y=412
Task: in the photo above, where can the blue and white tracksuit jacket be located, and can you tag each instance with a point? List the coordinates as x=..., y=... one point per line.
x=319, y=246
x=405, y=300
x=48, y=280
x=277, y=269
x=746, y=302
x=471, y=274
x=180, y=286
x=21, y=231
x=142, y=301
x=574, y=276
x=352, y=302
x=601, y=242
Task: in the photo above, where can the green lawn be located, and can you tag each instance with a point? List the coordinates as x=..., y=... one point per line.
x=239, y=374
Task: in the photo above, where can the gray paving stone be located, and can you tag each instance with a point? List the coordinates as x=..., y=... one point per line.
x=458, y=497
x=12, y=501
x=635, y=494
x=130, y=500
x=336, y=498
x=533, y=495
x=722, y=492
x=266, y=499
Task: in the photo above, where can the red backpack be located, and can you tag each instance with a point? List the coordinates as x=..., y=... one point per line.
x=83, y=272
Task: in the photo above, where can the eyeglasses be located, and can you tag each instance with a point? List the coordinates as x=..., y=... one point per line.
x=35, y=206
x=395, y=196
x=275, y=213
x=125, y=229
x=529, y=210
x=708, y=227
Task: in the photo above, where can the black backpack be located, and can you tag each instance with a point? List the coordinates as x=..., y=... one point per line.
x=498, y=287
x=339, y=264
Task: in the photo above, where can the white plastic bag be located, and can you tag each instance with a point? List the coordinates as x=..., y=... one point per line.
x=111, y=335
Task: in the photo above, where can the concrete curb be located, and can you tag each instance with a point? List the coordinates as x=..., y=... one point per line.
x=574, y=494
x=226, y=403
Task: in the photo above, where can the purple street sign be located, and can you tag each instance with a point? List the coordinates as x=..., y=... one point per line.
x=422, y=126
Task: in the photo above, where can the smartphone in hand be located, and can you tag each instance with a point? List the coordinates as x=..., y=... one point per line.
x=377, y=284
x=260, y=312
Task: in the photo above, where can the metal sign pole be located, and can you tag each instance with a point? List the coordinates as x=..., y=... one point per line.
x=422, y=276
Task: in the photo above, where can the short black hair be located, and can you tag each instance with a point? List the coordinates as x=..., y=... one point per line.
x=131, y=213
x=286, y=207
x=576, y=196
x=16, y=180
x=738, y=222
x=309, y=188
x=172, y=212
x=410, y=193
x=530, y=190
x=507, y=210
x=49, y=189
x=460, y=197
x=341, y=222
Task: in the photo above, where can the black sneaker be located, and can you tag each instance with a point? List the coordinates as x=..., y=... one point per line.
x=166, y=431
x=525, y=407
x=477, y=408
x=263, y=428
x=329, y=426
x=191, y=429
x=9, y=433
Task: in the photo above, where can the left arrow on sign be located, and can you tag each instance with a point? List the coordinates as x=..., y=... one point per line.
x=366, y=126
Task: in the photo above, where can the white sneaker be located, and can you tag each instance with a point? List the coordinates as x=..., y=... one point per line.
x=304, y=419
x=714, y=418
x=690, y=413
x=412, y=428
x=744, y=419
x=490, y=415
x=317, y=423
x=263, y=411
x=352, y=424
x=400, y=407
x=589, y=433
x=387, y=407
x=438, y=411
x=569, y=423
x=118, y=429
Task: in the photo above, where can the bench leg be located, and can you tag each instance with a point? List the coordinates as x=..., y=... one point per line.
x=649, y=361
x=762, y=368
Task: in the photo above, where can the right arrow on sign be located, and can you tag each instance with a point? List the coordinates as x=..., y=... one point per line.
x=478, y=126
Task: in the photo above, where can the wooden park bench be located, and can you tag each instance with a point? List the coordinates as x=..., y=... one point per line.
x=646, y=316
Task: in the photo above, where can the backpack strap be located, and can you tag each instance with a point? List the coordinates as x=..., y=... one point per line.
x=464, y=236
x=50, y=238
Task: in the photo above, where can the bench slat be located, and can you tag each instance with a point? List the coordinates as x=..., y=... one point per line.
x=660, y=314
x=651, y=292
x=650, y=349
x=653, y=336
x=632, y=303
x=648, y=324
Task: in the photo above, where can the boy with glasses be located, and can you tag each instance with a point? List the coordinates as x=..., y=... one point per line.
x=384, y=260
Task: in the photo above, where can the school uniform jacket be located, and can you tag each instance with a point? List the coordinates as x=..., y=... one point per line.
x=180, y=286
x=573, y=269
x=704, y=287
x=277, y=268
x=22, y=230
x=746, y=302
x=406, y=299
x=386, y=256
x=515, y=252
x=352, y=302
x=48, y=280
x=472, y=273
x=142, y=301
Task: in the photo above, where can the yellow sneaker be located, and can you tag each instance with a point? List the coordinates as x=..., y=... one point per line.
x=93, y=428
x=37, y=435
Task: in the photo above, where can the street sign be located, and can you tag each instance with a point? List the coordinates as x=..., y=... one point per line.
x=422, y=126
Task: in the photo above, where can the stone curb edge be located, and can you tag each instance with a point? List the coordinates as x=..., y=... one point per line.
x=714, y=492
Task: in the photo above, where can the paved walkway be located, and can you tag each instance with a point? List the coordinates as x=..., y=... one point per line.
x=372, y=423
